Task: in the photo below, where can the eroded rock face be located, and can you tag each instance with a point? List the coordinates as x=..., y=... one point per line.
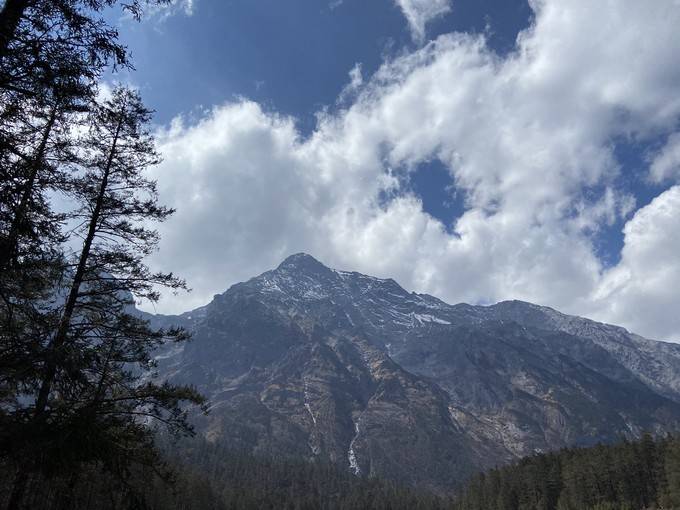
x=304, y=360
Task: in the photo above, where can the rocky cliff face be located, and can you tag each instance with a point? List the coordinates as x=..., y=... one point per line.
x=307, y=361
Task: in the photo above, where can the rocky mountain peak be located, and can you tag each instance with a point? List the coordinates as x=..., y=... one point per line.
x=311, y=361
x=301, y=262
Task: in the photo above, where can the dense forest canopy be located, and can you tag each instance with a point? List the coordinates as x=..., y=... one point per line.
x=211, y=477
x=637, y=475
x=643, y=474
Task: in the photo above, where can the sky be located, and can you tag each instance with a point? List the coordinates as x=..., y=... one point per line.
x=476, y=150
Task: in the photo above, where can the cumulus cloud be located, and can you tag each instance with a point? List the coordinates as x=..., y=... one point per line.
x=643, y=288
x=527, y=138
x=419, y=12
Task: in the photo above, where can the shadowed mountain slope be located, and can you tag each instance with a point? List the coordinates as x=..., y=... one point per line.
x=307, y=361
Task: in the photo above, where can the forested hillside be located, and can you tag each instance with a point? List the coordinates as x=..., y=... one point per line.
x=627, y=476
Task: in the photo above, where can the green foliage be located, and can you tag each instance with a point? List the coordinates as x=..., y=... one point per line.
x=644, y=474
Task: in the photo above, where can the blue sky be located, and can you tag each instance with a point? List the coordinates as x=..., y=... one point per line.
x=294, y=59
x=477, y=150
x=291, y=56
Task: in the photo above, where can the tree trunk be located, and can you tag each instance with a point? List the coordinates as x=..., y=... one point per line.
x=9, y=21
x=60, y=337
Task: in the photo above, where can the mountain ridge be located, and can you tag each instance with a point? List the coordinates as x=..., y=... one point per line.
x=305, y=360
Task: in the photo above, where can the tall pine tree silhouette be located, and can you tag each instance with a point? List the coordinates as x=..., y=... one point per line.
x=94, y=397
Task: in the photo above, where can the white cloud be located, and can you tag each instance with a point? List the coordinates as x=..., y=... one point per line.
x=160, y=12
x=419, y=12
x=666, y=164
x=356, y=80
x=643, y=289
x=188, y=6
x=528, y=138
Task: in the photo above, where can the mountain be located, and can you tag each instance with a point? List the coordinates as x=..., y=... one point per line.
x=308, y=361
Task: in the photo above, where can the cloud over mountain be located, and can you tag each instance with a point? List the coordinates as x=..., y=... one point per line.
x=528, y=138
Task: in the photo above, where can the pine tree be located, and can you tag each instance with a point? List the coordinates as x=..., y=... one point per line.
x=94, y=395
x=75, y=17
x=38, y=143
x=669, y=496
x=52, y=55
x=71, y=351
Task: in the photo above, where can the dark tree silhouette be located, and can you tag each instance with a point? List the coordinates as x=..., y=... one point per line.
x=52, y=56
x=75, y=387
x=93, y=391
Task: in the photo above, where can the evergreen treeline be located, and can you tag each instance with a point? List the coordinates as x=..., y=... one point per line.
x=229, y=480
x=638, y=475
x=209, y=477
x=644, y=474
